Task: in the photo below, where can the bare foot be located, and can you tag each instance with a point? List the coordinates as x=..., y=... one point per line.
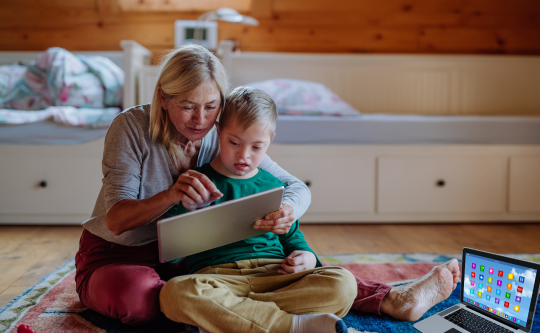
x=410, y=302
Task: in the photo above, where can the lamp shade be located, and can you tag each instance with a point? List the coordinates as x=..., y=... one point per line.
x=228, y=15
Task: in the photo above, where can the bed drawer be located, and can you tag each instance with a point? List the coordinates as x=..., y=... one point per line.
x=338, y=185
x=56, y=186
x=442, y=185
x=524, y=184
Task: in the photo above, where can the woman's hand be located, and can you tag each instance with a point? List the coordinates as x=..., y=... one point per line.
x=194, y=190
x=279, y=222
x=298, y=261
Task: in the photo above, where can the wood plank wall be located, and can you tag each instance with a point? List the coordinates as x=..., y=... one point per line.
x=389, y=26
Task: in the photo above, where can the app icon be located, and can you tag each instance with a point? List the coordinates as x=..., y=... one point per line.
x=506, y=304
x=498, y=291
x=508, y=286
x=518, y=299
x=480, y=286
x=506, y=316
x=479, y=294
x=490, y=279
x=501, y=273
x=521, y=279
x=516, y=308
x=498, y=312
x=489, y=289
x=468, y=300
x=497, y=301
x=518, y=321
x=473, y=274
x=519, y=289
x=507, y=295
x=481, y=268
x=472, y=283
x=514, y=319
x=510, y=276
x=481, y=277
x=499, y=283
x=472, y=291
x=491, y=271
x=488, y=297
x=473, y=266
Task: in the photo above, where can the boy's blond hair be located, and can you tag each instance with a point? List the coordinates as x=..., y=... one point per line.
x=249, y=106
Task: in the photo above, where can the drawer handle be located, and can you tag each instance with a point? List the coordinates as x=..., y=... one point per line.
x=308, y=183
x=441, y=183
x=43, y=184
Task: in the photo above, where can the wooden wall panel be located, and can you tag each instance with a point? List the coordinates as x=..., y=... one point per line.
x=390, y=26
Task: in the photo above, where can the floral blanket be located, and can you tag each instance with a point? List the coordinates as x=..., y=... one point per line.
x=74, y=90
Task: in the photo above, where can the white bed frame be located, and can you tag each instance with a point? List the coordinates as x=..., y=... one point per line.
x=349, y=183
x=70, y=174
x=411, y=183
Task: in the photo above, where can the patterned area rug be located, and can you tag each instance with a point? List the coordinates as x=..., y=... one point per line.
x=53, y=305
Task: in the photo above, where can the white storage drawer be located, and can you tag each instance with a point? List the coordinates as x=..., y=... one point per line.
x=524, y=184
x=442, y=185
x=337, y=185
x=53, y=186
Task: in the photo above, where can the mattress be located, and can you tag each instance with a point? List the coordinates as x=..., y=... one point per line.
x=48, y=133
x=362, y=129
x=407, y=129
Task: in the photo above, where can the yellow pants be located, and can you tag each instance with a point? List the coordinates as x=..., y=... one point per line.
x=251, y=296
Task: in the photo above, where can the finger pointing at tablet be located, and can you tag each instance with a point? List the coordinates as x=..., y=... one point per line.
x=194, y=190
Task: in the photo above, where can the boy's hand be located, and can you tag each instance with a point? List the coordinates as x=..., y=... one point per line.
x=278, y=222
x=298, y=261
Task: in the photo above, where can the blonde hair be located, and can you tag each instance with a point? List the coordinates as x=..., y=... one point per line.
x=249, y=106
x=182, y=70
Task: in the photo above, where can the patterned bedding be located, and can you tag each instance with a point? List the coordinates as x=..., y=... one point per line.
x=72, y=90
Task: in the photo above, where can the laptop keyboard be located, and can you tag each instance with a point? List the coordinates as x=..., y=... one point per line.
x=474, y=323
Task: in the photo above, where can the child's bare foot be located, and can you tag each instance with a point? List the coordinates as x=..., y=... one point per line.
x=410, y=302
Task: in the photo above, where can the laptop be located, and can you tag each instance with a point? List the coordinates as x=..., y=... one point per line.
x=498, y=294
x=216, y=225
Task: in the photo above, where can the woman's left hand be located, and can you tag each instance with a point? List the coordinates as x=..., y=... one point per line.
x=298, y=261
x=278, y=222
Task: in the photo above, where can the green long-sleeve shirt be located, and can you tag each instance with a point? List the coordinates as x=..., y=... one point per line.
x=265, y=246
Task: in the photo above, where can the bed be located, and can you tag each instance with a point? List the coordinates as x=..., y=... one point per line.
x=434, y=142
x=50, y=173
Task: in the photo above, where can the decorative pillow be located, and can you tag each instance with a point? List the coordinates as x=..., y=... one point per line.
x=304, y=98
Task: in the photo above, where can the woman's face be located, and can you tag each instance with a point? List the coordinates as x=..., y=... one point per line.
x=194, y=113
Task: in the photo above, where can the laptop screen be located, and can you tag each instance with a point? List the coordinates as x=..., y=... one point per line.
x=499, y=287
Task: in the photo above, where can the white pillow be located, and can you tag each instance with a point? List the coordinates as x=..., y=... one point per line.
x=306, y=98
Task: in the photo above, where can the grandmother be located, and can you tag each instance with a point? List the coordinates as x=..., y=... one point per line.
x=147, y=160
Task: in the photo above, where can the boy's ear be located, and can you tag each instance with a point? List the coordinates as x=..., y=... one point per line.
x=273, y=136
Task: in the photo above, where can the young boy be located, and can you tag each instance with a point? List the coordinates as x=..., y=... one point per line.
x=267, y=283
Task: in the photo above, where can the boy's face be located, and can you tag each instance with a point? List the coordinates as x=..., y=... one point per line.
x=242, y=151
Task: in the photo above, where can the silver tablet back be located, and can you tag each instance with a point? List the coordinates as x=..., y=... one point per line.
x=215, y=226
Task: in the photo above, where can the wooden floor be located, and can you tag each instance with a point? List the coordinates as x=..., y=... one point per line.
x=27, y=254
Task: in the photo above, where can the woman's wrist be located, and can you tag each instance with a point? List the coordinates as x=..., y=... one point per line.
x=167, y=197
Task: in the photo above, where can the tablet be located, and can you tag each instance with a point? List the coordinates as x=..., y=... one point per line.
x=215, y=226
